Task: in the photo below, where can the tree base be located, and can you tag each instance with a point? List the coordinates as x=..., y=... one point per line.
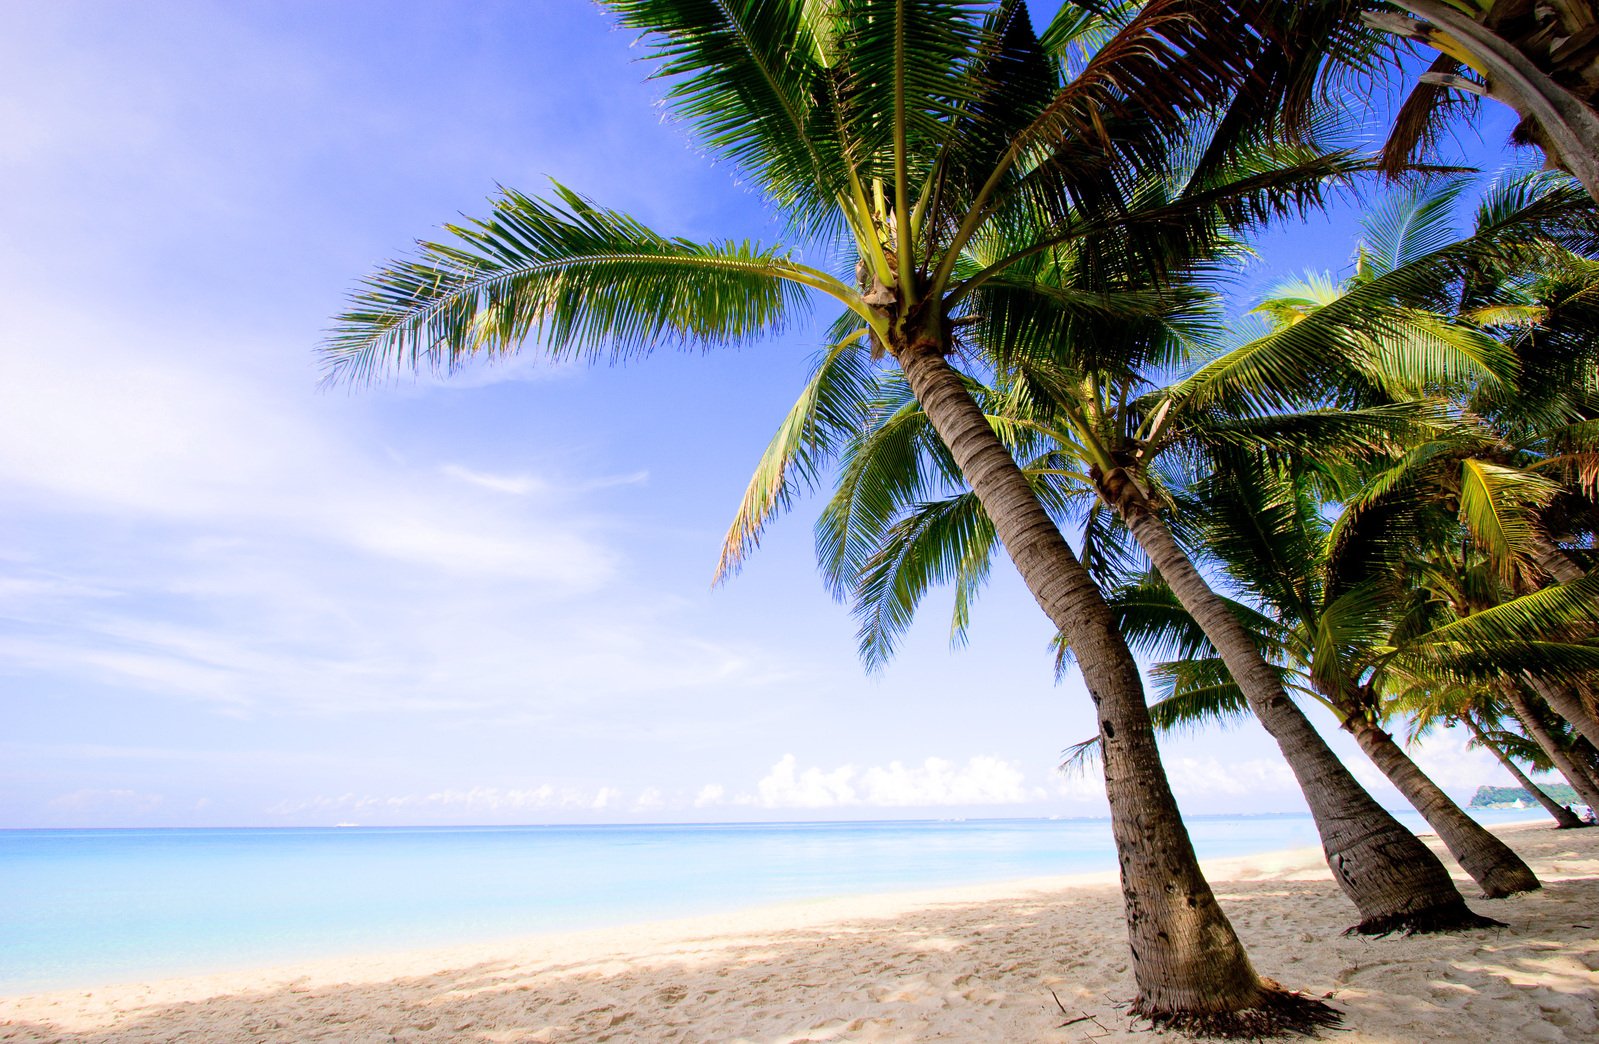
x=1578, y=825
x=1505, y=891
x=1453, y=917
x=1280, y=1013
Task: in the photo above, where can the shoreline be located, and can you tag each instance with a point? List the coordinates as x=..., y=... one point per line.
x=972, y=962
x=255, y=954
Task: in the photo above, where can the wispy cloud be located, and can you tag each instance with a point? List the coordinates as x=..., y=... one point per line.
x=92, y=801
x=516, y=485
x=451, y=804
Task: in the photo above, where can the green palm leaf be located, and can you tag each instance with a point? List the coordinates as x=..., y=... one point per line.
x=828, y=411
x=580, y=279
x=1497, y=504
x=946, y=541
x=757, y=80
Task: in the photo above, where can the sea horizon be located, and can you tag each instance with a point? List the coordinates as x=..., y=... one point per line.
x=87, y=906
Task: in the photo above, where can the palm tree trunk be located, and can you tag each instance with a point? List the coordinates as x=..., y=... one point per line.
x=1394, y=880
x=1489, y=861
x=1564, y=701
x=1555, y=562
x=1187, y=960
x=1533, y=723
x=1565, y=819
x=1561, y=123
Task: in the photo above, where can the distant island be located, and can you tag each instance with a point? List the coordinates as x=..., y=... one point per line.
x=1517, y=797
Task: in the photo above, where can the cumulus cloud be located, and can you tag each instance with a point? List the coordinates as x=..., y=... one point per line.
x=936, y=782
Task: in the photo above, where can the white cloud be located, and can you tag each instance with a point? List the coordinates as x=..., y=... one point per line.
x=1446, y=759
x=1088, y=785
x=936, y=782
x=265, y=551
x=983, y=781
x=634, y=478
x=710, y=794
x=517, y=485
x=1205, y=777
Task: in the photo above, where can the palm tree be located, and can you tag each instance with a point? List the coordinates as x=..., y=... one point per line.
x=1108, y=433
x=1392, y=345
x=1336, y=636
x=1532, y=55
x=1531, y=469
x=905, y=131
x=1094, y=427
x=1473, y=707
x=898, y=525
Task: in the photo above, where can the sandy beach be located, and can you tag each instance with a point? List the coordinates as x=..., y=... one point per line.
x=1041, y=960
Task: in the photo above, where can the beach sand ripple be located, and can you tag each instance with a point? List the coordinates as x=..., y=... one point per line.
x=1032, y=961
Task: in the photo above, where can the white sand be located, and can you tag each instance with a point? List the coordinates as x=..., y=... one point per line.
x=975, y=964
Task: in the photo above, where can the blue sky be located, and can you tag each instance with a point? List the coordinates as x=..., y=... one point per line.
x=229, y=597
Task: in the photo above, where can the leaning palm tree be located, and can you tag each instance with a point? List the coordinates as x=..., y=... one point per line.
x=1534, y=56
x=900, y=132
x=1081, y=407
x=1473, y=706
x=1348, y=636
x=1533, y=460
x=1079, y=388
x=902, y=520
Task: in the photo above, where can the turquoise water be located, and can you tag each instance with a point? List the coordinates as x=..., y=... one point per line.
x=81, y=907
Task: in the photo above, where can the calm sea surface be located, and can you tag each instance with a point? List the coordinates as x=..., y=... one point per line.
x=80, y=907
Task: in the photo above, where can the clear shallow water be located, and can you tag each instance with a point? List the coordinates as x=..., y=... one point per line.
x=80, y=907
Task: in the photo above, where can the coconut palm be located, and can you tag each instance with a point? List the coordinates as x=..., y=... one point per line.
x=1345, y=637
x=1531, y=468
x=1473, y=706
x=1110, y=432
x=900, y=133
x=900, y=524
x=1536, y=56
x=1096, y=426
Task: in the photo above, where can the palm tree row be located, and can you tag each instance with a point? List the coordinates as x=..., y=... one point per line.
x=1032, y=210
x=1325, y=616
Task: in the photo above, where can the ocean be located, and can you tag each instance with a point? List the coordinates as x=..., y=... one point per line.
x=86, y=907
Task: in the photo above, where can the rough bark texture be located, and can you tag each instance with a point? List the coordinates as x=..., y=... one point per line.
x=1530, y=720
x=1393, y=879
x=1565, y=819
x=1489, y=861
x=1556, y=562
x=1187, y=960
x=1564, y=701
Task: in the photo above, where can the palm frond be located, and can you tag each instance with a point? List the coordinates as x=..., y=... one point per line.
x=1197, y=693
x=1407, y=225
x=830, y=409
x=1531, y=617
x=1498, y=505
x=947, y=541
x=579, y=279
x=757, y=79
